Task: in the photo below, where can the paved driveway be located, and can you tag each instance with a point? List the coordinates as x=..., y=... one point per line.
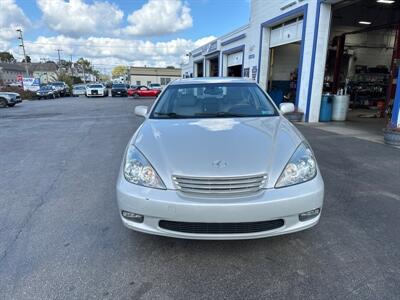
x=61, y=237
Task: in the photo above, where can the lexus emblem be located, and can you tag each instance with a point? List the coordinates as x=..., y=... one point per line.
x=219, y=164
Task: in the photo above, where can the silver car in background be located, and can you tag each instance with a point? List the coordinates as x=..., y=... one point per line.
x=78, y=90
x=215, y=159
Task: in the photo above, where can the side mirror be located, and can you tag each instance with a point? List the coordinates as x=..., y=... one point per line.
x=286, y=108
x=141, y=111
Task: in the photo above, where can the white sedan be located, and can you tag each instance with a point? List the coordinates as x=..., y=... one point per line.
x=216, y=159
x=96, y=90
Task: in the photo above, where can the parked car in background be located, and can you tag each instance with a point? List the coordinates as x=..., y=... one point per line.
x=155, y=86
x=47, y=92
x=119, y=89
x=78, y=90
x=143, y=91
x=96, y=90
x=62, y=88
x=8, y=99
x=216, y=159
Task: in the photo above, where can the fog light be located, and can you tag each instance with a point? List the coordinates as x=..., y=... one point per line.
x=132, y=216
x=309, y=214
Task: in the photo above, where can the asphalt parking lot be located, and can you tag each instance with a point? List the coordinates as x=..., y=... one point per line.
x=61, y=236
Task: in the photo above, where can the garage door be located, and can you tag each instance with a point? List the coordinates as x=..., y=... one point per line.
x=288, y=32
x=235, y=59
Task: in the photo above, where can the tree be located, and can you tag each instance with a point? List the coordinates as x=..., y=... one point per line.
x=28, y=59
x=6, y=57
x=85, y=64
x=119, y=71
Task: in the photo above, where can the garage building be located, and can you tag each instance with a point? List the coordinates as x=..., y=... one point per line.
x=147, y=75
x=299, y=50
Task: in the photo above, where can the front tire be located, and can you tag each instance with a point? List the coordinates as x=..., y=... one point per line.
x=11, y=105
x=3, y=103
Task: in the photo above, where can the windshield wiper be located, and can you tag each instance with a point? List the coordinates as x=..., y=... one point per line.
x=171, y=115
x=221, y=114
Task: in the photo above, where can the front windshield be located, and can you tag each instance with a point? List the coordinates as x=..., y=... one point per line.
x=215, y=100
x=46, y=87
x=58, y=83
x=95, y=86
x=119, y=86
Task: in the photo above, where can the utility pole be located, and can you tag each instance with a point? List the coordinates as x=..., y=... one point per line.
x=23, y=49
x=72, y=68
x=59, y=57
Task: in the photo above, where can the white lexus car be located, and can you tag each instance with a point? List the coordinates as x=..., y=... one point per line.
x=216, y=159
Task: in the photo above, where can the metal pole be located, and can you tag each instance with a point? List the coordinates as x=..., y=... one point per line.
x=338, y=62
x=23, y=49
x=59, y=57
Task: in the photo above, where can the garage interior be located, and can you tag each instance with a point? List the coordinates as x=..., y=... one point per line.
x=284, y=59
x=199, y=67
x=283, y=72
x=213, y=66
x=363, y=60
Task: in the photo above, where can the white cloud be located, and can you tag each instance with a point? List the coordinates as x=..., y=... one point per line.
x=159, y=17
x=77, y=18
x=108, y=52
x=11, y=18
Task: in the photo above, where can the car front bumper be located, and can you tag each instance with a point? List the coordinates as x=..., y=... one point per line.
x=270, y=204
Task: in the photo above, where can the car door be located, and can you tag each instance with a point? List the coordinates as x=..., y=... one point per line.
x=144, y=91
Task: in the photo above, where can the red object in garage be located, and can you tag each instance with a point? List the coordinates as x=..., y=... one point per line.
x=143, y=91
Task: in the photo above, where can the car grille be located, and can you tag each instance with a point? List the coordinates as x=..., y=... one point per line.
x=220, y=185
x=221, y=228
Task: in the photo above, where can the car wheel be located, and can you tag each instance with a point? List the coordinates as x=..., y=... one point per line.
x=11, y=105
x=3, y=103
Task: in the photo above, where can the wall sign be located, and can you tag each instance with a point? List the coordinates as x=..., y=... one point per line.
x=254, y=72
x=209, y=48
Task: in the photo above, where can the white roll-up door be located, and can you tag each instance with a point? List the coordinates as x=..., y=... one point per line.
x=235, y=59
x=286, y=34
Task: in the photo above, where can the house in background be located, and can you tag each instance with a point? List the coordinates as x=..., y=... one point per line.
x=9, y=73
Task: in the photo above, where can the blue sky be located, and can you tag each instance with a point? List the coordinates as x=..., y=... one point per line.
x=140, y=32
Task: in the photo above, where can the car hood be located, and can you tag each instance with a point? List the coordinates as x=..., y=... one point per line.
x=191, y=147
x=9, y=93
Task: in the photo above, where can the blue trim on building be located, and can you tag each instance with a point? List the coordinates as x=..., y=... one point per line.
x=234, y=39
x=396, y=104
x=197, y=54
x=212, y=54
x=313, y=54
x=230, y=51
x=279, y=19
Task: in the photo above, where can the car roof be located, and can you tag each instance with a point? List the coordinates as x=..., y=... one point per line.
x=205, y=80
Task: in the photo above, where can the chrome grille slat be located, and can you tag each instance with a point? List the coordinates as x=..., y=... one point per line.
x=220, y=185
x=216, y=182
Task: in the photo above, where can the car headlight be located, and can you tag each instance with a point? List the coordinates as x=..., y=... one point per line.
x=138, y=170
x=301, y=167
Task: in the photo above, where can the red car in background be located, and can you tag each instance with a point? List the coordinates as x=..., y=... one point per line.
x=142, y=91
